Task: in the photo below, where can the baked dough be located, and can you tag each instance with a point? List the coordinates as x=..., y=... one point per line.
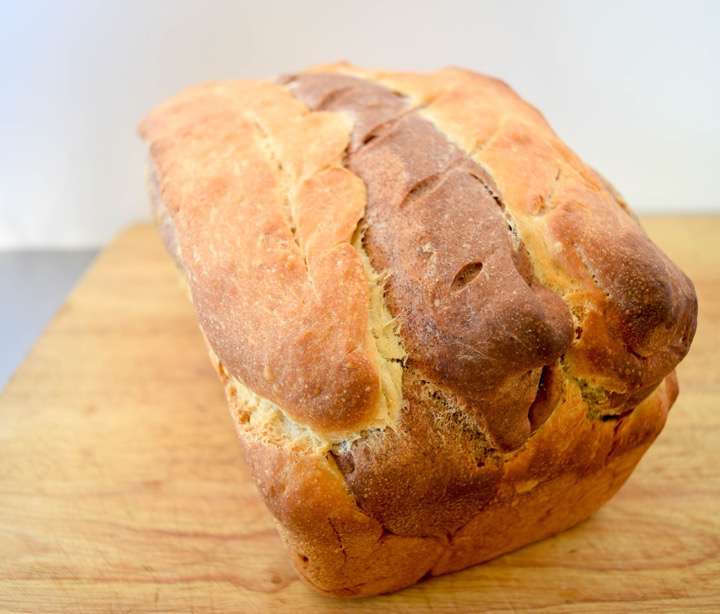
x=441, y=335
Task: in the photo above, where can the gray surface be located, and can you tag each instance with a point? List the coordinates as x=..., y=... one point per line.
x=35, y=285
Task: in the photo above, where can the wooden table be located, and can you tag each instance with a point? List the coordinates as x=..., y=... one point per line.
x=122, y=488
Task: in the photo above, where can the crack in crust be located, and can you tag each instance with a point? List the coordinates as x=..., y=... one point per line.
x=267, y=145
x=338, y=535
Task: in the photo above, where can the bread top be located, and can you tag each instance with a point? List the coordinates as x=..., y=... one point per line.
x=353, y=237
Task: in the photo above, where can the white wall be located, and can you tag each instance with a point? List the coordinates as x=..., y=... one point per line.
x=634, y=87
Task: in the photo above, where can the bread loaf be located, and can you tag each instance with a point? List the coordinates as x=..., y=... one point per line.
x=441, y=335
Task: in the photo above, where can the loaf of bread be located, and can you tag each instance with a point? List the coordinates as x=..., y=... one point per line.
x=441, y=335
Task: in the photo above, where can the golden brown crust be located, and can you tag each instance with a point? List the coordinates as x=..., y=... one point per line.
x=585, y=317
x=244, y=243
x=552, y=483
x=335, y=546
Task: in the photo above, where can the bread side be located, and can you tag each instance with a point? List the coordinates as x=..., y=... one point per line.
x=564, y=473
x=441, y=335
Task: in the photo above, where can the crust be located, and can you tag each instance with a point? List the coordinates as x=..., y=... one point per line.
x=551, y=484
x=374, y=448
x=634, y=311
x=217, y=152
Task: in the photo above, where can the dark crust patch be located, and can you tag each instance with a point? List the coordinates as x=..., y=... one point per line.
x=644, y=322
x=428, y=477
x=472, y=315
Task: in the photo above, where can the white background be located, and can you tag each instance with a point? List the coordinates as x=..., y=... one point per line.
x=633, y=87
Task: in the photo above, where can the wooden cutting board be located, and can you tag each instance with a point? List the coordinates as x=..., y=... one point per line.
x=122, y=488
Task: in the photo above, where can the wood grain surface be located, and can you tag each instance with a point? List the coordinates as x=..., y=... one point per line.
x=122, y=488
